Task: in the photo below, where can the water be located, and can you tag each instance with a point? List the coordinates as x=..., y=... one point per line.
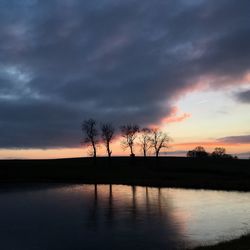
x=119, y=217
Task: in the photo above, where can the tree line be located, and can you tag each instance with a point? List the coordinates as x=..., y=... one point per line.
x=200, y=152
x=147, y=139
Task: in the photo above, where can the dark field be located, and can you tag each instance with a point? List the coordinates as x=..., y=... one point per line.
x=224, y=174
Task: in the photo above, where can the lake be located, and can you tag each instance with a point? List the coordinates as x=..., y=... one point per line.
x=74, y=217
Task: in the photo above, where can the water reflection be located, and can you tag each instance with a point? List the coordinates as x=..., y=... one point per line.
x=131, y=218
x=113, y=216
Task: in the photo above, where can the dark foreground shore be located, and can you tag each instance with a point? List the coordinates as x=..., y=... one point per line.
x=223, y=174
x=243, y=243
x=180, y=172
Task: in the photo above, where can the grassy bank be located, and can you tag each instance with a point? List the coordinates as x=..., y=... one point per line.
x=242, y=243
x=183, y=172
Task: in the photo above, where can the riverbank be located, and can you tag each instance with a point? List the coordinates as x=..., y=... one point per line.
x=243, y=243
x=180, y=172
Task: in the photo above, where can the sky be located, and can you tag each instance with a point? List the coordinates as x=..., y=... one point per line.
x=181, y=65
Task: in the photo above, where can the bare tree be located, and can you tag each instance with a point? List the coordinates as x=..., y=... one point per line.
x=129, y=134
x=145, y=140
x=159, y=140
x=107, y=135
x=219, y=152
x=90, y=134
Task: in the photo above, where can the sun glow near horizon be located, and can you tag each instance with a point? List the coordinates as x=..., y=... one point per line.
x=177, y=70
x=193, y=123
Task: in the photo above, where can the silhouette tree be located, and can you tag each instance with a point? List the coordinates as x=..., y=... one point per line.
x=159, y=140
x=219, y=152
x=191, y=154
x=90, y=134
x=107, y=133
x=198, y=152
x=145, y=140
x=200, y=149
x=129, y=134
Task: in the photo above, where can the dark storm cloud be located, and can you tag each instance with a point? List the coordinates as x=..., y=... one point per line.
x=63, y=61
x=241, y=139
x=244, y=96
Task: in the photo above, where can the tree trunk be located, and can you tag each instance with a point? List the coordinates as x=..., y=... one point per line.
x=94, y=150
x=157, y=153
x=109, y=151
x=131, y=151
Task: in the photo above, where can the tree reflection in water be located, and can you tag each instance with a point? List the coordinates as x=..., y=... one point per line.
x=76, y=217
x=132, y=218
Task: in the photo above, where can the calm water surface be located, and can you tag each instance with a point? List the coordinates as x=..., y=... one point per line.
x=72, y=217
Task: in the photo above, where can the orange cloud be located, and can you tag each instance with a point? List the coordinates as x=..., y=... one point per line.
x=189, y=145
x=179, y=118
x=246, y=78
x=175, y=117
x=171, y=118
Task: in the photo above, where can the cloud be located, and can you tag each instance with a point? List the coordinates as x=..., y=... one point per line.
x=174, y=153
x=244, y=96
x=224, y=141
x=240, y=139
x=244, y=155
x=175, y=117
x=64, y=61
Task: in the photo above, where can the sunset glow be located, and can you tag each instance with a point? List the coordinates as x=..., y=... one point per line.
x=185, y=70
